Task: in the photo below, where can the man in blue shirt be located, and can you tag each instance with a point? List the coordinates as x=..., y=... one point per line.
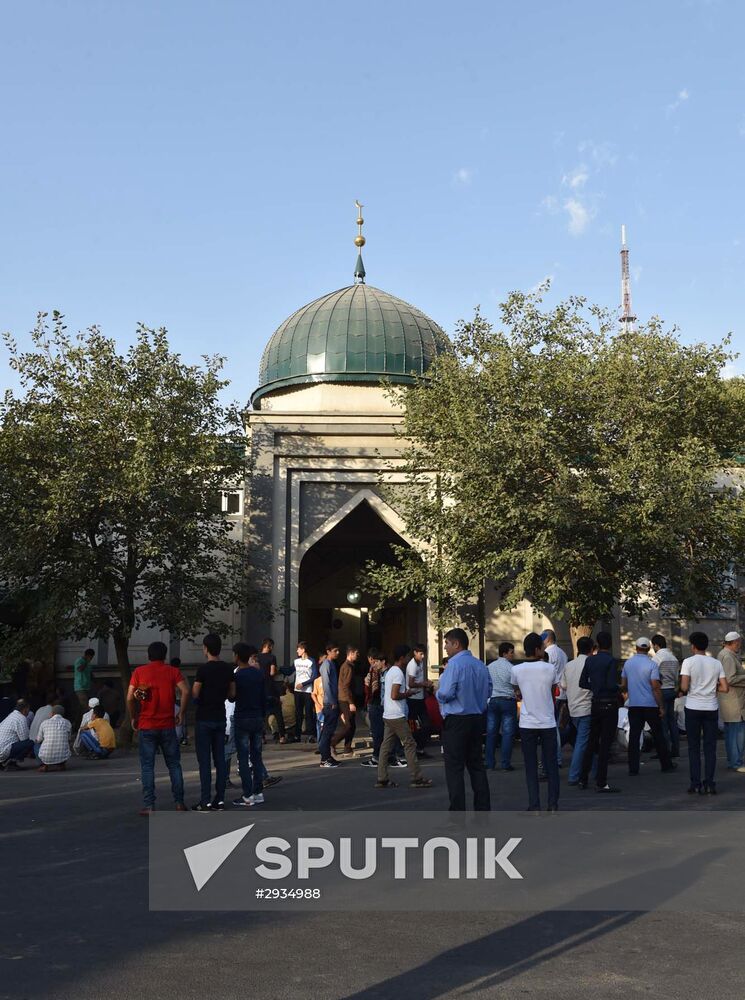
x=248, y=722
x=464, y=692
x=641, y=678
x=502, y=708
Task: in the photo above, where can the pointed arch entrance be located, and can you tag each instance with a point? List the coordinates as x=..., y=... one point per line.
x=332, y=602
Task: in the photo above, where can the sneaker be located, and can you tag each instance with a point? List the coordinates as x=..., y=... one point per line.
x=216, y=805
x=244, y=800
x=399, y=763
x=368, y=763
x=258, y=799
x=184, y=743
x=329, y=763
x=200, y=807
x=270, y=780
x=607, y=789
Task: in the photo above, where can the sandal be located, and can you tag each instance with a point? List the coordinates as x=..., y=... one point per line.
x=421, y=783
x=386, y=784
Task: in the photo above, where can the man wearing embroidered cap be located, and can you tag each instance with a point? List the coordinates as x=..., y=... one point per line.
x=732, y=702
x=641, y=678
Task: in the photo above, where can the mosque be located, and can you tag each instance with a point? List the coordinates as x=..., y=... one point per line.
x=321, y=439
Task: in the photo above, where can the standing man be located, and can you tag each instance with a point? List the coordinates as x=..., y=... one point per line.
x=347, y=705
x=82, y=678
x=463, y=694
x=330, y=688
x=248, y=723
x=641, y=677
x=732, y=702
x=600, y=676
x=579, y=703
x=502, y=708
x=305, y=674
x=213, y=684
x=701, y=677
x=534, y=681
x=395, y=720
x=15, y=742
x=558, y=660
x=268, y=663
x=669, y=674
x=373, y=696
x=417, y=685
x=153, y=687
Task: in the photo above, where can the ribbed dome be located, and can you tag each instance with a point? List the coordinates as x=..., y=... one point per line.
x=356, y=334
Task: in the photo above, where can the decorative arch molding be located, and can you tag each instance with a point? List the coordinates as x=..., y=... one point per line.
x=384, y=511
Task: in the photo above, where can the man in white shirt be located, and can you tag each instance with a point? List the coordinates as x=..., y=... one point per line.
x=669, y=674
x=579, y=703
x=534, y=681
x=42, y=714
x=306, y=672
x=92, y=703
x=558, y=659
x=54, y=740
x=701, y=677
x=417, y=684
x=395, y=721
x=15, y=743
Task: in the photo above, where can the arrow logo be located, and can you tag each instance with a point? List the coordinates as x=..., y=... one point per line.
x=204, y=859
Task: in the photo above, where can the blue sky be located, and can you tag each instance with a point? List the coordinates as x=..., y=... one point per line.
x=195, y=164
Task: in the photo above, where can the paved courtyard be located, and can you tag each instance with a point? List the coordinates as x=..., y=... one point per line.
x=76, y=920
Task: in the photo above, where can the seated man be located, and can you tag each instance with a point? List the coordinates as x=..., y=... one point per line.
x=15, y=743
x=97, y=736
x=92, y=703
x=54, y=740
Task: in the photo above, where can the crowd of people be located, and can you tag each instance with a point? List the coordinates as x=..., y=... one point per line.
x=594, y=702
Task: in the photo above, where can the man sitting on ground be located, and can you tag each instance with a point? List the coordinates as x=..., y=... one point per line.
x=87, y=718
x=98, y=737
x=54, y=740
x=15, y=743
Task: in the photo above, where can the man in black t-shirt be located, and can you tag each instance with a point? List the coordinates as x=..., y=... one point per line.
x=213, y=684
x=268, y=663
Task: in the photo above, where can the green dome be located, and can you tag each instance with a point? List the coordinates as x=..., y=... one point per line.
x=357, y=334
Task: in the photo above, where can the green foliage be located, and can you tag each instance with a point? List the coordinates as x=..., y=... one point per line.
x=110, y=464
x=572, y=465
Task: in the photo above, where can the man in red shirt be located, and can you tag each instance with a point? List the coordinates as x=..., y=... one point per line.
x=153, y=688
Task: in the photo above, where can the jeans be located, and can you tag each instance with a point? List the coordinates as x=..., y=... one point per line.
x=149, y=741
x=249, y=732
x=734, y=741
x=398, y=729
x=603, y=725
x=319, y=726
x=330, y=720
x=304, y=712
x=529, y=739
x=210, y=743
x=377, y=727
x=461, y=740
x=582, y=725
x=500, y=712
x=670, y=723
x=91, y=744
x=638, y=715
x=700, y=723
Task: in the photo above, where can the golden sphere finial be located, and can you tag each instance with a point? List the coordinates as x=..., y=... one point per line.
x=359, y=241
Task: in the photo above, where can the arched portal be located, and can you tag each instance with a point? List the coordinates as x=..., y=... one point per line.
x=330, y=571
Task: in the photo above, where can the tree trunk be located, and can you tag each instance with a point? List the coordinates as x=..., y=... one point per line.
x=121, y=645
x=577, y=632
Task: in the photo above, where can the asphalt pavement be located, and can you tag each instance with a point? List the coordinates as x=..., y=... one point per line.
x=76, y=923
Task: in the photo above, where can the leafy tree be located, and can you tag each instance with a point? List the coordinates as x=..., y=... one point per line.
x=110, y=468
x=571, y=464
